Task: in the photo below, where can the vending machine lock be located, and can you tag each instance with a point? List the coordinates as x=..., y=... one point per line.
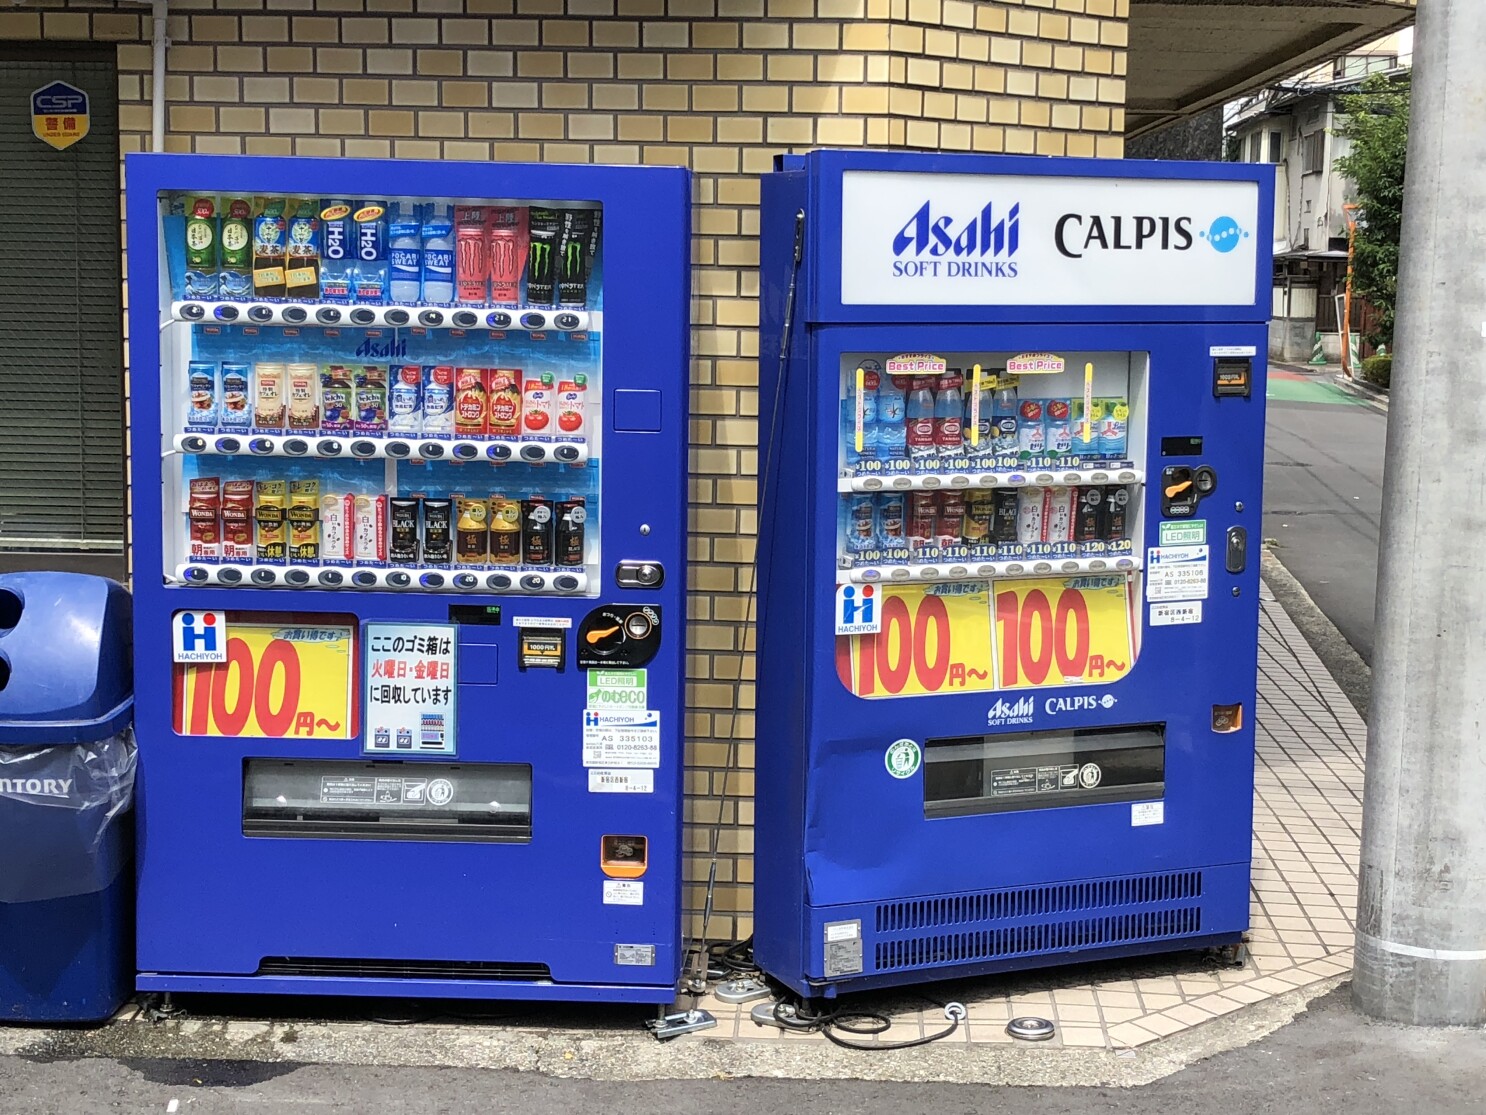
x=639, y=574
x=1182, y=488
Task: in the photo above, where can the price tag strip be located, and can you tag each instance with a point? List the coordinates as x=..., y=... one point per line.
x=977, y=636
x=278, y=680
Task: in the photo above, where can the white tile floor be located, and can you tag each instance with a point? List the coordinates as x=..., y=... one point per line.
x=1307, y=815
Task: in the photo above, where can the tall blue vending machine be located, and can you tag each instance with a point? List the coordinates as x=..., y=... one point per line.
x=1008, y=566
x=409, y=557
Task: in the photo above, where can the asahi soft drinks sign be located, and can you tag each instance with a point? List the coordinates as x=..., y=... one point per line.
x=1023, y=240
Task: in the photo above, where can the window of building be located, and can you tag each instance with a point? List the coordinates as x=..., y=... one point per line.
x=1276, y=146
x=1313, y=153
x=1256, y=146
x=1360, y=65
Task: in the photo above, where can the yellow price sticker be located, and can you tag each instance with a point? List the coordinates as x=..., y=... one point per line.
x=280, y=680
x=979, y=636
x=1064, y=631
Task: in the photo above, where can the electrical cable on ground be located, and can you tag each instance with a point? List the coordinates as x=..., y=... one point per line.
x=860, y=1023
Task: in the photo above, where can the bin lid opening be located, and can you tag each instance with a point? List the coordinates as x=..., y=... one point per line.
x=11, y=606
x=4, y=671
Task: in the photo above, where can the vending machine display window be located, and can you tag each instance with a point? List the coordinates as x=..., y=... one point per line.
x=1043, y=770
x=969, y=465
x=382, y=394
x=345, y=799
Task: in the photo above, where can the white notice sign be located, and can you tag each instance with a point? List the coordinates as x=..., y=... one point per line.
x=621, y=739
x=603, y=781
x=624, y=892
x=410, y=688
x=1176, y=573
x=1172, y=614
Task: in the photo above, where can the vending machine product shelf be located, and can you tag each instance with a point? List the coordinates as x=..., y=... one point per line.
x=1006, y=685
x=385, y=548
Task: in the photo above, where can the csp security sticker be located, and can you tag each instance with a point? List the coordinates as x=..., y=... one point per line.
x=903, y=758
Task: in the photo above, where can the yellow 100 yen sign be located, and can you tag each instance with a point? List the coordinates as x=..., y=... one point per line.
x=978, y=636
x=279, y=680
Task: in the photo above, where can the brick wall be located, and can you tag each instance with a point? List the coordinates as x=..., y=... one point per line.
x=720, y=86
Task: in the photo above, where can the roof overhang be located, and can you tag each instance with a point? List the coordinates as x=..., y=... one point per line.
x=1187, y=56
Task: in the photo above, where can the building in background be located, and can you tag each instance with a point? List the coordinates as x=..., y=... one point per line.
x=1294, y=124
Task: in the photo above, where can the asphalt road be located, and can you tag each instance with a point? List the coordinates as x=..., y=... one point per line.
x=1330, y=1061
x=1323, y=495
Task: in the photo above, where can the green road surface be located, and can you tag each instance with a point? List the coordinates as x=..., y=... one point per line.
x=1292, y=387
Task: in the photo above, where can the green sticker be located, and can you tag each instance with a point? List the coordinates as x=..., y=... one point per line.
x=616, y=689
x=1192, y=532
x=903, y=758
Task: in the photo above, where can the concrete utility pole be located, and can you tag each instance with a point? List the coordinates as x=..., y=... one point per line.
x=1421, y=924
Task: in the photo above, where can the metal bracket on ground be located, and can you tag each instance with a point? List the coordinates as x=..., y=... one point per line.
x=743, y=989
x=669, y=1026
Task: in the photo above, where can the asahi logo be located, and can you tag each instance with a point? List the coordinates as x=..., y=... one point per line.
x=950, y=245
x=382, y=350
x=36, y=787
x=1010, y=712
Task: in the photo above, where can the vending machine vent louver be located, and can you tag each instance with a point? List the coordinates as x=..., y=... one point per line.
x=1012, y=414
x=408, y=722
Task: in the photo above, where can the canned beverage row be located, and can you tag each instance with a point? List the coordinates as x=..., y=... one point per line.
x=274, y=522
x=897, y=521
x=372, y=400
x=376, y=251
x=927, y=420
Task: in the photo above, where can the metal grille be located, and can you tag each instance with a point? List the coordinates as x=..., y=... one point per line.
x=347, y=968
x=61, y=352
x=1027, y=940
x=1026, y=902
x=1042, y=919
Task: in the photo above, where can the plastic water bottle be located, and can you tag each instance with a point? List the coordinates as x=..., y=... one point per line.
x=438, y=254
x=983, y=425
x=920, y=412
x=949, y=417
x=892, y=414
x=405, y=243
x=1003, y=416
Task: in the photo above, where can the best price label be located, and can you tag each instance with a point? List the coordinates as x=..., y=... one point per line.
x=981, y=636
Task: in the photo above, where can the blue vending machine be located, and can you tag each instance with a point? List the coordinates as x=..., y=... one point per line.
x=409, y=553
x=1014, y=427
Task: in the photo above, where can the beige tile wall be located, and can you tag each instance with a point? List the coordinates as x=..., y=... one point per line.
x=720, y=86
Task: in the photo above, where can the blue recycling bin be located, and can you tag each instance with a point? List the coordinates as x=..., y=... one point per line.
x=66, y=788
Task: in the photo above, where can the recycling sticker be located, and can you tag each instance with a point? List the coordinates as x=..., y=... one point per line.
x=903, y=758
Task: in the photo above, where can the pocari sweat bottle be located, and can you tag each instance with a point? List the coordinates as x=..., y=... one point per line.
x=438, y=253
x=405, y=244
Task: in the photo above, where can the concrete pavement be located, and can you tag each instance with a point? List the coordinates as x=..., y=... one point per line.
x=1323, y=495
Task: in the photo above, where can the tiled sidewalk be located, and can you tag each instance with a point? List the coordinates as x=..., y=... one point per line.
x=1307, y=816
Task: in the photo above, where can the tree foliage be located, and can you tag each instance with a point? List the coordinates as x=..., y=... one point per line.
x=1377, y=123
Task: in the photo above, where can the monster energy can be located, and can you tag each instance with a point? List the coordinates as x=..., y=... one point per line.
x=545, y=230
x=572, y=252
